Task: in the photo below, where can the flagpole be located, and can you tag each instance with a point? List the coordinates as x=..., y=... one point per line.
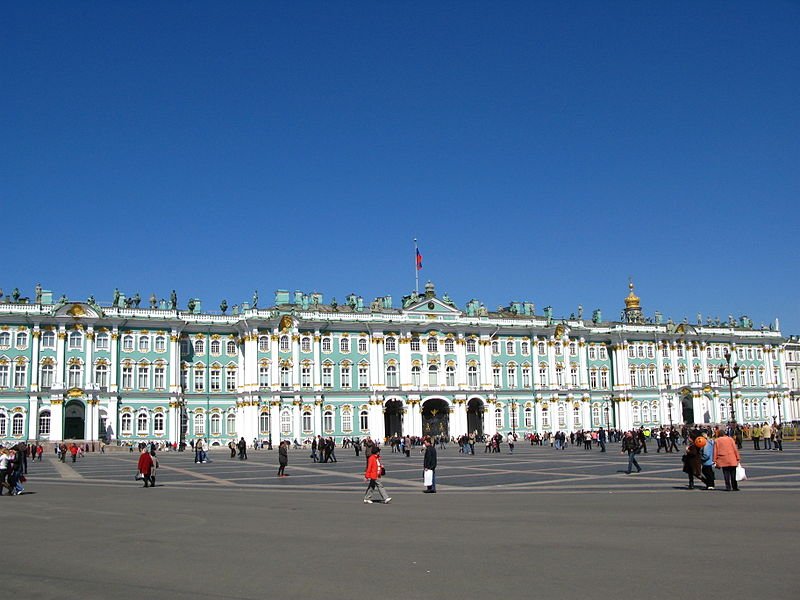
x=416, y=269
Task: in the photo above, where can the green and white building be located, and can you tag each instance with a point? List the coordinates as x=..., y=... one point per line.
x=77, y=370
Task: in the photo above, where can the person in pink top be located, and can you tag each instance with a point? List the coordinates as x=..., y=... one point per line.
x=726, y=457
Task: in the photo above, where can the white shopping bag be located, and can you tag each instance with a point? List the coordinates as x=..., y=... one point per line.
x=740, y=473
x=428, y=479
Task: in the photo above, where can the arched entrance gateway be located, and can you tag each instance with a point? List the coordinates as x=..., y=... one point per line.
x=393, y=417
x=436, y=417
x=74, y=420
x=687, y=407
x=475, y=416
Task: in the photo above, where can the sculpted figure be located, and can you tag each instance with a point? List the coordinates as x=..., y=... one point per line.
x=38, y=291
x=255, y=299
x=223, y=306
x=115, y=302
x=173, y=300
x=137, y=299
x=191, y=304
x=153, y=300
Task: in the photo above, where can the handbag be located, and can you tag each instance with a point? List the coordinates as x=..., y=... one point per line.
x=427, y=479
x=383, y=471
x=741, y=475
x=138, y=476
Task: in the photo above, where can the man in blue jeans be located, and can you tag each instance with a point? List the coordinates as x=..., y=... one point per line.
x=630, y=444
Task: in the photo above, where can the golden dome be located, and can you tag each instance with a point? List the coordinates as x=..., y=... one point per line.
x=632, y=301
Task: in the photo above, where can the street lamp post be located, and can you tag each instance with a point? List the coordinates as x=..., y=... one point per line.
x=669, y=404
x=513, y=417
x=728, y=374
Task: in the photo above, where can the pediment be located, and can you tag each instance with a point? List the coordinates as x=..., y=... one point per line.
x=78, y=310
x=432, y=306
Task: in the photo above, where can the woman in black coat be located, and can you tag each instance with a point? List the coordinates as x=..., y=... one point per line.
x=283, y=458
x=693, y=463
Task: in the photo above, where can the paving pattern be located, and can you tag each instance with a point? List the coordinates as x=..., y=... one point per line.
x=528, y=470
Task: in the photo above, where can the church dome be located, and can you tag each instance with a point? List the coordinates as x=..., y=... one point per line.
x=632, y=300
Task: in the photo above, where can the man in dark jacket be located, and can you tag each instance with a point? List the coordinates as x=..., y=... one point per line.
x=630, y=444
x=429, y=464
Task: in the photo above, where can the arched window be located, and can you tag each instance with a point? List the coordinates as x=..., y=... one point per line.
x=433, y=375
x=286, y=422
x=472, y=346
x=230, y=424
x=144, y=343
x=541, y=348
x=305, y=344
x=306, y=422
x=199, y=424
x=216, y=424
x=528, y=416
x=199, y=347
x=5, y=339
x=363, y=346
x=414, y=344
x=126, y=423
x=231, y=348
x=46, y=376
x=347, y=420
x=17, y=423
x=562, y=417
x=327, y=421
x=596, y=416
x=263, y=343
x=327, y=344
x=637, y=415
x=472, y=376
x=498, y=418
x=415, y=376
x=363, y=420
x=511, y=376
x=509, y=348
x=263, y=422
x=525, y=348
x=75, y=375
x=495, y=348
x=449, y=345
x=391, y=376
x=49, y=339
x=286, y=377
x=3, y=424
x=75, y=340
x=101, y=375
x=645, y=412
x=450, y=376
x=390, y=345
x=142, y=423
x=344, y=345
x=22, y=340
x=161, y=343
x=44, y=423
x=576, y=416
x=158, y=423
x=433, y=345
x=216, y=347
x=545, y=417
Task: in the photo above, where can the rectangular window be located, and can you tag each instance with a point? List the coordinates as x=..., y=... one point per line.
x=216, y=380
x=144, y=377
x=159, y=378
x=3, y=375
x=543, y=376
x=101, y=341
x=363, y=377
x=230, y=380
x=263, y=376
x=345, y=378
x=496, y=376
x=526, y=377
x=20, y=372
x=199, y=380
x=327, y=376
x=305, y=376
x=127, y=378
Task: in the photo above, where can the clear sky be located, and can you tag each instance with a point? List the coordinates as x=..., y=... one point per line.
x=538, y=151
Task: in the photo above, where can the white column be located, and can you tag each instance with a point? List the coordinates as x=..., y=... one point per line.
x=297, y=429
x=404, y=368
x=377, y=425
x=275, y=420
x=460, y=414
x=35, y=359
x=33, y=417
x=61, y=369
x=274, y=377
x=88, y=376
x=317, y=416
x=56, y=418
x=551, y=365
x=583, y=367
x=485, y=347
x=113, y=418
x=461, y=362
x=113, y=368
x=704, y=364
x=316, y=371
x=295, y=360
x=174, y=366
x=173, y=422
x=489, y=424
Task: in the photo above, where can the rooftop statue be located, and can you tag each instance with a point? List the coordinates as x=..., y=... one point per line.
x=38, y=292
x=173, y=300
x=255, y=299
x=15, y=294
x=63, y=299
x=223, y=306
x=191, y=304
x=153, y=300
x=580, y=311
x=115, y=302
x=137, y=299
x=90, y=301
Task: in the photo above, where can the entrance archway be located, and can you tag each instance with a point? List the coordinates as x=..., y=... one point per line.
x=74, y=420
x=687, y=408
x=436, y=418
x=393, y=418
x=475, y=410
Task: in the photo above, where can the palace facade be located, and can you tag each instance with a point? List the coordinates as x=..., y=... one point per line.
x=77, y=370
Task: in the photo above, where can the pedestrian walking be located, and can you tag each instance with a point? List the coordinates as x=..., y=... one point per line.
x=145, y=466
x=630, y=444
x=373, y=474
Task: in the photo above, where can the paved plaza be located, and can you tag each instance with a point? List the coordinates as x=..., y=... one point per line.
x=542, y=521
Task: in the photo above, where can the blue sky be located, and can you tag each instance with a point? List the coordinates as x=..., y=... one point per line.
x=538, y=151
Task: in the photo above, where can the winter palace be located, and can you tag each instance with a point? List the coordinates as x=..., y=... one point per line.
x=77, y=370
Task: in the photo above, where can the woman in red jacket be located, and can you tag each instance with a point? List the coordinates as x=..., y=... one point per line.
x=145, y=466
x=373, y=475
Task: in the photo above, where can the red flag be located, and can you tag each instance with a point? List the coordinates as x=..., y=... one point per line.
x=419, y=260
